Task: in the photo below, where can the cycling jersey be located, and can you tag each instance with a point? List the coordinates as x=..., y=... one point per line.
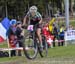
x=34, y=19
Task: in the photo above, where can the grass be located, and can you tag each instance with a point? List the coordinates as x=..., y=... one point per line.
x=4, y=44
x=58, y=53
x=62, y=51
x=8, y=59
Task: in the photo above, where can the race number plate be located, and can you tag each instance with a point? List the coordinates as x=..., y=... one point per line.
x=30, y=28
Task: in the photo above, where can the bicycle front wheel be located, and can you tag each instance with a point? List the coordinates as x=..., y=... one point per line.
x=30, y=45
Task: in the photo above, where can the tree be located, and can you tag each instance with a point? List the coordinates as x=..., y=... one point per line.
x=71, y=7
x=18, y=8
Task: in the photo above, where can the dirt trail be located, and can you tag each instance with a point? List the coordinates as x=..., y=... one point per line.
x=43, y=61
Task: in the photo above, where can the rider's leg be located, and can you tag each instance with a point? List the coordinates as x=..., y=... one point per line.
x=39, y=35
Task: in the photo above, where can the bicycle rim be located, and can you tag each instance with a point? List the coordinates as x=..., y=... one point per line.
x=30, y=46
x=44, y=52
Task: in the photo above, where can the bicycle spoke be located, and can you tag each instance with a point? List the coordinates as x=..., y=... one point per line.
x=30, y=49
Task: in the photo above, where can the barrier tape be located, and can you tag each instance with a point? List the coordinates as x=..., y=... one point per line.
x=6, y=49
x=59, y=40
x=16, y=48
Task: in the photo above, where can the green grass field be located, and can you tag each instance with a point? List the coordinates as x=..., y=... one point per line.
x=56, y=55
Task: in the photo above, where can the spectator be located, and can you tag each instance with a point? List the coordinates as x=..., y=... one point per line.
x=19, y=34
x=55, y=33
x=11, y=33
x=61, y=36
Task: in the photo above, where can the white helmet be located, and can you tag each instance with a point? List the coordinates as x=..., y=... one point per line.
x=33, y=9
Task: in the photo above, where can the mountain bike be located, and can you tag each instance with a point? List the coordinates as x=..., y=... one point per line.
x=31, y=44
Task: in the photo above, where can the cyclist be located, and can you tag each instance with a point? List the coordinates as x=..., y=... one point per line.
x=35, y=18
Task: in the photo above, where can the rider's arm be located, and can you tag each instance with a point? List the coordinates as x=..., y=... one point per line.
x=24, y=20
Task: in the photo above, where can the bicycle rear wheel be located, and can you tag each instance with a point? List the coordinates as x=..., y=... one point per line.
x=30, y=45
x=44, y=52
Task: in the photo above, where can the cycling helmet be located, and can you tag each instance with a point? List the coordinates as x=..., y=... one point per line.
x=12, y=22
x=33, y=9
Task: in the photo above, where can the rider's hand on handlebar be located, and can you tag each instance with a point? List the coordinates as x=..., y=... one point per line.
x=24, y=27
